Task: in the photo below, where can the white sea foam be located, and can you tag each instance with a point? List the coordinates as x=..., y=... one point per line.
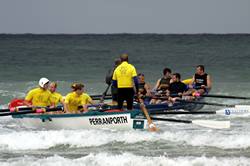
x=31, y=140
x=127, y=159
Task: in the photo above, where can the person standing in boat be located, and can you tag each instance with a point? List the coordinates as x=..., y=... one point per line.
x=76, y=99
x=123, y=78
x=144, y=90
x=108, y=79
x=55, y=96
x=40, y=96
x=201, y=82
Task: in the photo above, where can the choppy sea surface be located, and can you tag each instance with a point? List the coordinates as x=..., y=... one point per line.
x=87, y=58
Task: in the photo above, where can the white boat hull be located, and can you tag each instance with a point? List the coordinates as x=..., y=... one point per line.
x=120, y=121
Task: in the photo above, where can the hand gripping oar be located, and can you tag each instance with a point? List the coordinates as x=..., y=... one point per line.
x=151, y=125
x=203, y=123
x=226, y=96
x=33, y=110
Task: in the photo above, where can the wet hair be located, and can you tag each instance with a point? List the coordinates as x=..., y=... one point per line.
x=201, y=67
x=165, y=70
x=177, y=75
x=54, y=83
x=77, y=86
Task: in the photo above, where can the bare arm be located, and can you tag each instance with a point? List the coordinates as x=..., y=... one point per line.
x=85, y=108
x=191, y=83
x=148, y=89
x=27, y=103
x=209, y=82
x=157, y=84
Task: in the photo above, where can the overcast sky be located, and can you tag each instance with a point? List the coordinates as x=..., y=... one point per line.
x=124, y=16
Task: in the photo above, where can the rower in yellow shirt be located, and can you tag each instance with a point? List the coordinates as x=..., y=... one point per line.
x=77, y=98
x=39, y=96
x=56, y=97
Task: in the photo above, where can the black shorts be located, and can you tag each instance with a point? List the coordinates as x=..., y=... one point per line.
x=125, y=94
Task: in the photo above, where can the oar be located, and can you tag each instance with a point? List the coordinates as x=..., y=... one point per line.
x=99, y=98
x=104, y=94
x=151, y=125
x=203, y=123
x=19, y=109
x=226, y=96
x=33, y=110
x=167, y=112
x=205, y=103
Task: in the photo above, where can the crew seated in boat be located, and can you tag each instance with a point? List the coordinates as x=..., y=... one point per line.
x=201, y=82
x=162, y=85
x=76, y=99
x=176, y=88
x=40, y=96
x=144, y=90
x=55, y=96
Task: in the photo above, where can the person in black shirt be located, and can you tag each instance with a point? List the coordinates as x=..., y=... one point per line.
x=144, y=89
x=176, y=88
x=201, y=82
x=108, y=79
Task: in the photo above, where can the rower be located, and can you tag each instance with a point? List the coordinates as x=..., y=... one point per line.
x=162, y=85
x=76, y=99
x=123, y=78
x=40, y=96
x=55, y=96
x=108, y=79
x=176, y=88
x=201, y=82
x=144, y=90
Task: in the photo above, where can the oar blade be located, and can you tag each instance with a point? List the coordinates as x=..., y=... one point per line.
x=212, y=124
x=234, y=111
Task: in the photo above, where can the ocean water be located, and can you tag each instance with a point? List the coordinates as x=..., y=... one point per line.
x=87, y=58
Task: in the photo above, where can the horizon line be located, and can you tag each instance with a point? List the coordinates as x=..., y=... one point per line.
x=125, y=33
